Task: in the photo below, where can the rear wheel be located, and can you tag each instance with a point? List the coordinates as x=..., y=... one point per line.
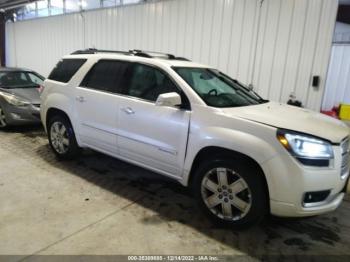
x=62, y=138
x=231, y=193
x=3, y=122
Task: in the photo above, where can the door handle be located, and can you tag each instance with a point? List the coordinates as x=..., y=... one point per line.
x=80, y=99
x=128, y=110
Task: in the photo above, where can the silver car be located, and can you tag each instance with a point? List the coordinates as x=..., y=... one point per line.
x=19, y=96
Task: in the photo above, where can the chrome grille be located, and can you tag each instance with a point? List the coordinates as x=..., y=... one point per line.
x=345, y=157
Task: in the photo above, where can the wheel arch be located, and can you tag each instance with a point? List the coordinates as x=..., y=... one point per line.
x=214, y=152
x=73, y=147
x=51, y=112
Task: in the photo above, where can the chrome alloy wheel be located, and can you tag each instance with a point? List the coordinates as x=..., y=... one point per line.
x=59, y=137
x=2, y=118
x=226, y=194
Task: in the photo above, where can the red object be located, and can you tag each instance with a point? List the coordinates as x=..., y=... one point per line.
x=333, y=113
x=41, y=89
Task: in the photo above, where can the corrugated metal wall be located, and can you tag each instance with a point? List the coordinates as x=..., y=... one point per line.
x=292, y=39
x=342, y=33
x=338, y=82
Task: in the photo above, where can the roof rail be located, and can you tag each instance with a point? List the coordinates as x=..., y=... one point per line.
x=134, y=52
x=95, y=51
x=182, y=59
x=152, y=54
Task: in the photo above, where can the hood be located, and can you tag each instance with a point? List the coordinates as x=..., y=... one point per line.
x=28, y=94
x=293, y=118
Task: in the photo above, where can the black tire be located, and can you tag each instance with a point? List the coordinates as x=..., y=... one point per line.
x=3, y=124
x=256, y=193
x=71, y=150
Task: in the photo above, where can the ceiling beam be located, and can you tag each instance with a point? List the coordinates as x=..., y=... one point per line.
x=14, y=4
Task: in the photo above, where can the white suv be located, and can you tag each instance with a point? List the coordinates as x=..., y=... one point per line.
x=243, y=156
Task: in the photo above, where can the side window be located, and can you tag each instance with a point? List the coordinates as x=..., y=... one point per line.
x=35, y=79
x=106, y=75
x=148, y=83
x=65, y=69
x=23, y=77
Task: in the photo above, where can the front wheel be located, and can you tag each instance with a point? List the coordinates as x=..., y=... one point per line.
x=62, y=138
x=231, y=192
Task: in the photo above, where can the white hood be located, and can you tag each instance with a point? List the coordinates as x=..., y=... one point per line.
x=293, y=118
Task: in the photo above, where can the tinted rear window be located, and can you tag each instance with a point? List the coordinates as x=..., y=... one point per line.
x=65, y=69
x=107, y=75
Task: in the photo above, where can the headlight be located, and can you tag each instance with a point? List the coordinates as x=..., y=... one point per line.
x=13, y=100
x=307, y=149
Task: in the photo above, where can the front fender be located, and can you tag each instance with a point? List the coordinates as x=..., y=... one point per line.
x=256, y=148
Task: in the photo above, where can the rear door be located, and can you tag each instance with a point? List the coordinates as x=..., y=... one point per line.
x=97, y=104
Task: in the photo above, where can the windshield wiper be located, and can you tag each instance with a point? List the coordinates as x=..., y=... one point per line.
x=263, y=101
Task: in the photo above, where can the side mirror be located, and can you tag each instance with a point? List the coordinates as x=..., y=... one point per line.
x=250, y=87
x=169, y=99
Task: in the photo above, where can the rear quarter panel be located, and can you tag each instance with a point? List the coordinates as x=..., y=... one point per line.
x=61, y=96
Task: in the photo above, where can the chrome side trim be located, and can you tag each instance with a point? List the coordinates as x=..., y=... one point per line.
x=345, y=152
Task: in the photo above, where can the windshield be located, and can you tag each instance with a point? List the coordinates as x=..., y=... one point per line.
x=12, y=79
x=217, y=89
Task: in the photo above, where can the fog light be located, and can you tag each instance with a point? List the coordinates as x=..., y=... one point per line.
x=315, y=197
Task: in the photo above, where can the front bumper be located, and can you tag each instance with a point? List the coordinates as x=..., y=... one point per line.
x=23, y=115
x=289, y=181
x=283, y=209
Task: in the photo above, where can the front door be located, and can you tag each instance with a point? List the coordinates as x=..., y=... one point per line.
x=155, y=136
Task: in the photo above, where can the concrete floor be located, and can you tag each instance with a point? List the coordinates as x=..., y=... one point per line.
x=99, y=205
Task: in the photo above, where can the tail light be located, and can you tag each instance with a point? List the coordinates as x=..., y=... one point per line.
x=41, y=89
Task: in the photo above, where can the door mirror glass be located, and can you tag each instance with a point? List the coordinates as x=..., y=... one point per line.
x=169, y=99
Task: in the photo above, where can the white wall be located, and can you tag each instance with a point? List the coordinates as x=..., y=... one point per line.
x=342, y=33
x=338, y=82
x=293, y=42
